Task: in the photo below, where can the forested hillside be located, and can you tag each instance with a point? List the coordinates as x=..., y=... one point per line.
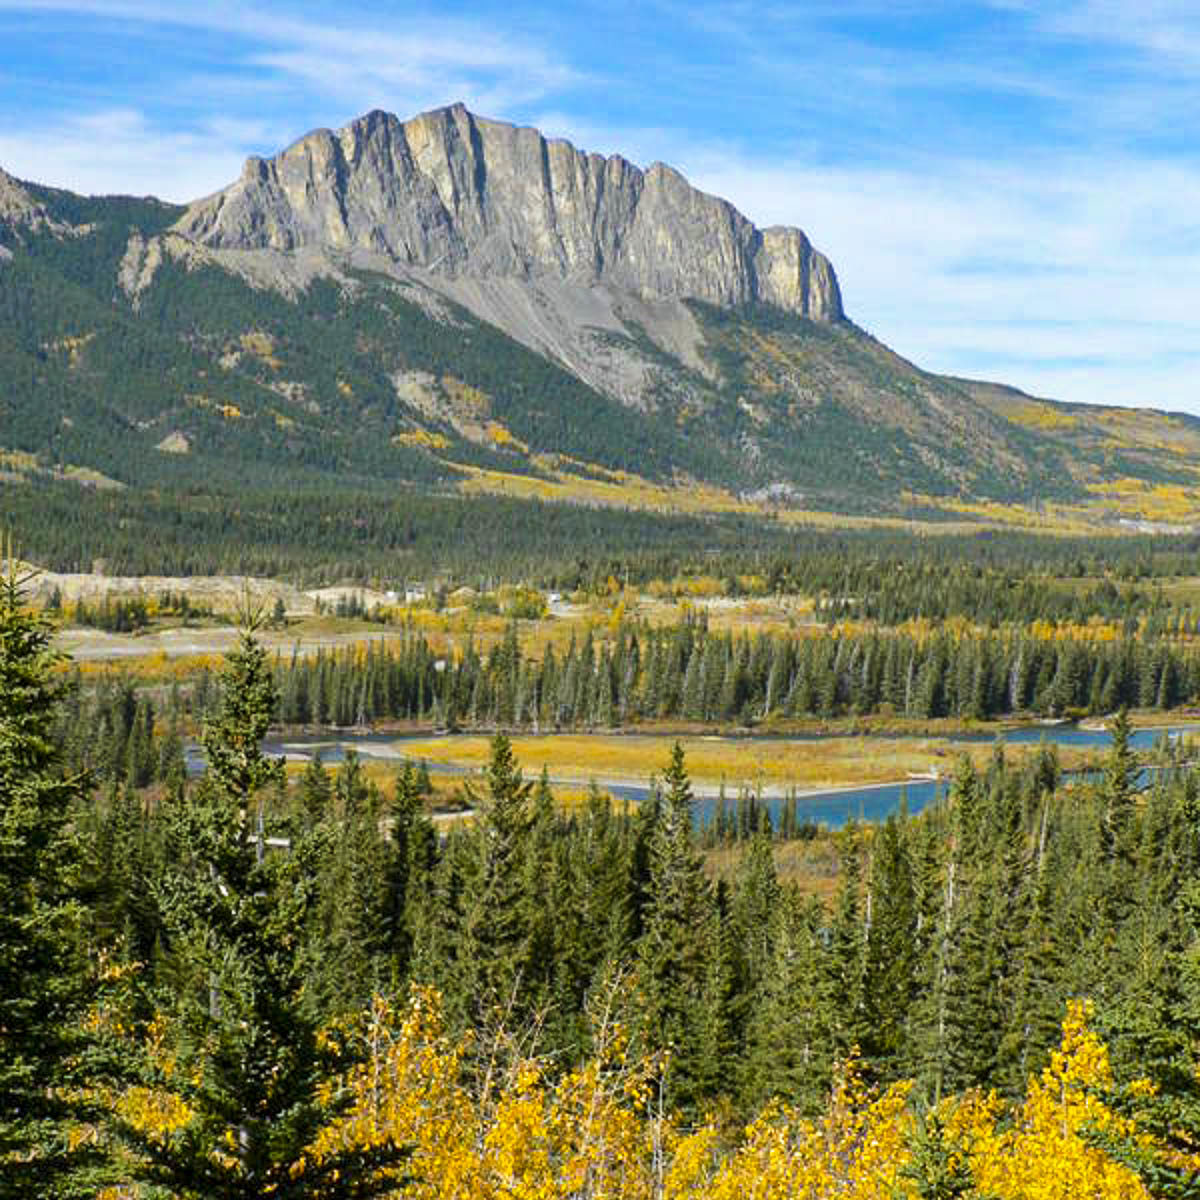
x=157, y=379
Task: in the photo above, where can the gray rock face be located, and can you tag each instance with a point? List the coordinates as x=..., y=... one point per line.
x=468, y=198
x=18, y=207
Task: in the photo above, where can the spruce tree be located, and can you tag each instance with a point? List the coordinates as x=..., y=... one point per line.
x=672, y=970
x=1170, y=1111
x=1120, y=777
x=889, y=977
x=250, y=1065
x=717, y=1032
x=541, y=917
x=357, y=909
x=790, y=1032
x=43, y=977
x=496, y=931
x=315, y=792
x=754, y=906
x=414, y=857
x=847, y=947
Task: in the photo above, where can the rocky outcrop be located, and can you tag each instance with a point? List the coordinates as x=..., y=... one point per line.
x=467, y=198
x=18, y=208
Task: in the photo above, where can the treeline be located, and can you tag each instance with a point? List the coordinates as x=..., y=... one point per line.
x=892, y=592
x=341, y=527
x=127, y=614
x=688, y=672
x=117, y=735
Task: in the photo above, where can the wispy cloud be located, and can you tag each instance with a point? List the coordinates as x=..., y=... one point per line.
x=964, y=264
x=120, y=151
x=354, y=61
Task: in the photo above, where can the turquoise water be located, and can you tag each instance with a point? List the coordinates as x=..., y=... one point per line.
x=832, y=809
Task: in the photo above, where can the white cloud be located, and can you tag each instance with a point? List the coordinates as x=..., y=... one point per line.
x=1038, y=266
x=353, y=63
x=274, y=64
x=120, y=151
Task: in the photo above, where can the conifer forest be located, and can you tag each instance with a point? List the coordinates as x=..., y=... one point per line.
x=229, y=971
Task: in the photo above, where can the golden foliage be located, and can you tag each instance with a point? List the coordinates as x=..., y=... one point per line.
x=598, y=1132
x=1037, y=414
x=857, y=1149
x=1041, y=1155
x=422, y=437
x=524, y=1137
x=512, y=1130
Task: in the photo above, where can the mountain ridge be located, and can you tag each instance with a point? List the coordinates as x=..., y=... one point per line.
x=459, y=194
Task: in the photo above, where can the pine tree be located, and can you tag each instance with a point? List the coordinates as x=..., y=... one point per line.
x=940, y=1165
x=538, y=895
x=757, y=898
x=43, y=981
x=1170, y=1111
x=250, y=1065
x=717, y=1027
x=790, y=1035
x=414, y=857
x=316, y=792
x=1120, y=774
x=357, y=907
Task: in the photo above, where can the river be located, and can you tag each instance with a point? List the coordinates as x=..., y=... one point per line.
x=832, y=808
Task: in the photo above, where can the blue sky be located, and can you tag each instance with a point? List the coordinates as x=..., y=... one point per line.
x=1008, y=189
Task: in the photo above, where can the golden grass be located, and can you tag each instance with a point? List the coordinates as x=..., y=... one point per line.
x=631, y=491
x=422, y=437
x=618, y=490
x=1050, y=518
x=260, y=345
x=1143, y=429
x=466, y=401
x=17, y=460
x=632, y=758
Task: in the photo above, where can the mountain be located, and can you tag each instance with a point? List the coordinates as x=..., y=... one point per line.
x=465, y=305
x=465, y=197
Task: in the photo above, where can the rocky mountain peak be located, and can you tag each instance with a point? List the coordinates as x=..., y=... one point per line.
x=469, y=198
x=18, y=207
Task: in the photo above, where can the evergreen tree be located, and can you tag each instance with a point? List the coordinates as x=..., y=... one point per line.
x=316, y=792
x=357, y=907
x=889, y=975
x=1120, y=775
x=755, y=903
x=43, y=979
x=496, y=933
x=717, y=1026
x=940, y=1166
x=414, y=857
x=251, y=1067
x=1169, y=1111
x=672, y=971
x=790, y=1034
x=542, y=913
x=847, y=946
